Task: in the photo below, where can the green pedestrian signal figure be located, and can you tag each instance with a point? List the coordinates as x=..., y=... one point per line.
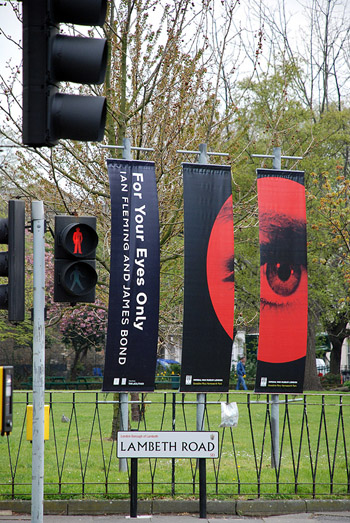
x=75, y=279
x=77, y=240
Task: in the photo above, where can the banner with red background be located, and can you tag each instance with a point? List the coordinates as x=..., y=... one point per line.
x=209, y=279
x=283, y=281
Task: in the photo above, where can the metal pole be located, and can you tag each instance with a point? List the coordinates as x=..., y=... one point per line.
x=173, y=428
x=203, y=154
x=276, y=162
x=203, y=159
x=124, y=425
x=275, y=427
x=124, y=396
x=202, y=488
x=200, y=411
x=133, y=488
x=275, y=406
x=38, y=224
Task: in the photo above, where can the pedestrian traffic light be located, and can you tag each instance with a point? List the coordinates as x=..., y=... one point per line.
x=75, y=259
x=50, y=57
x=12, y=261
x=6, y=391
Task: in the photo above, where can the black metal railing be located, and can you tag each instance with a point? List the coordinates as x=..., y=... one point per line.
x=311, y=457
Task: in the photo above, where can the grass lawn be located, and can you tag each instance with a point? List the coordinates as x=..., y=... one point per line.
x=80, y=457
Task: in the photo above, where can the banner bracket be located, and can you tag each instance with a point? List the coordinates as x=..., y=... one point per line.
x=127, y=148
x=277, y=157
x=203, y=153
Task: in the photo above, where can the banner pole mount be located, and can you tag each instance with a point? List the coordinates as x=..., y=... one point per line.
x=203, y=153
x=277, y=157
x=127, y=148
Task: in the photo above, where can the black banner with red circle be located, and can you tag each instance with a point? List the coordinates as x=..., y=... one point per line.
x=209, y=279
x=132, y=336
x=283, y=281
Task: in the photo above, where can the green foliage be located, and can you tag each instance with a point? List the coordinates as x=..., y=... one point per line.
x=322, y=345
x=330, y=381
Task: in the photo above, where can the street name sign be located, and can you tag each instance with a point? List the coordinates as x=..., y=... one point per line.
x=167, y=444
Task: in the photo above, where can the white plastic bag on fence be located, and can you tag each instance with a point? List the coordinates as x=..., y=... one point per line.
x=229, y=414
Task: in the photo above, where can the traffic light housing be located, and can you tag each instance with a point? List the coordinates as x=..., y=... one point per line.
x=12, y=262
x=75, y=259
x=50, y=57
x=6, y=393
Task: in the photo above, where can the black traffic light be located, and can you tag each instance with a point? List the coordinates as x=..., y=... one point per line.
x=75, y=259
x=6, y=393
x=50, y=57
x=12, y=261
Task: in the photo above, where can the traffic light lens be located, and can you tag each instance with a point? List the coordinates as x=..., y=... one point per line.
x=78, y=117
x=78, y=278
x=79, y=239
x=79, y=59
x=83, y=12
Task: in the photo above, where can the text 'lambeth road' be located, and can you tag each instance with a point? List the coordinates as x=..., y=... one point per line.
x=167, y=444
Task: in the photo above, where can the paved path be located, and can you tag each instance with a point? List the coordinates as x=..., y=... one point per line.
x=326, y=517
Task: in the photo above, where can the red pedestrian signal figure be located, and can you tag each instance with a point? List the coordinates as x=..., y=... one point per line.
x=77, y=240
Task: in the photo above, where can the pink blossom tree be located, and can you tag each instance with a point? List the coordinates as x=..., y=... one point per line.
x=83, y=329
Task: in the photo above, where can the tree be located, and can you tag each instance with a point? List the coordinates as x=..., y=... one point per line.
x=172, y=83
x=83, y=329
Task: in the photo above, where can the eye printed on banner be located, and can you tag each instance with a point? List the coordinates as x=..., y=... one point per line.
x=281, y=276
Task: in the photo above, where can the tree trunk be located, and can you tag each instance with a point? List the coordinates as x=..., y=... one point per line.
x=116, y=416
x=135, y=407
x=73, y=371
x=337, y=343
x=337, y=332
x=311, y=380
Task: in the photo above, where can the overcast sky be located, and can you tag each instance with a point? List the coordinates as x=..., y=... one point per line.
x=10, y=25
x=295, y=9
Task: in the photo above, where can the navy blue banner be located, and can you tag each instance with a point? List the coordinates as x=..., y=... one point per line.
x=209, y=279
x=131, y=350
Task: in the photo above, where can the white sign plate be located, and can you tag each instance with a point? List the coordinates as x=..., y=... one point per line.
x=149, y=444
